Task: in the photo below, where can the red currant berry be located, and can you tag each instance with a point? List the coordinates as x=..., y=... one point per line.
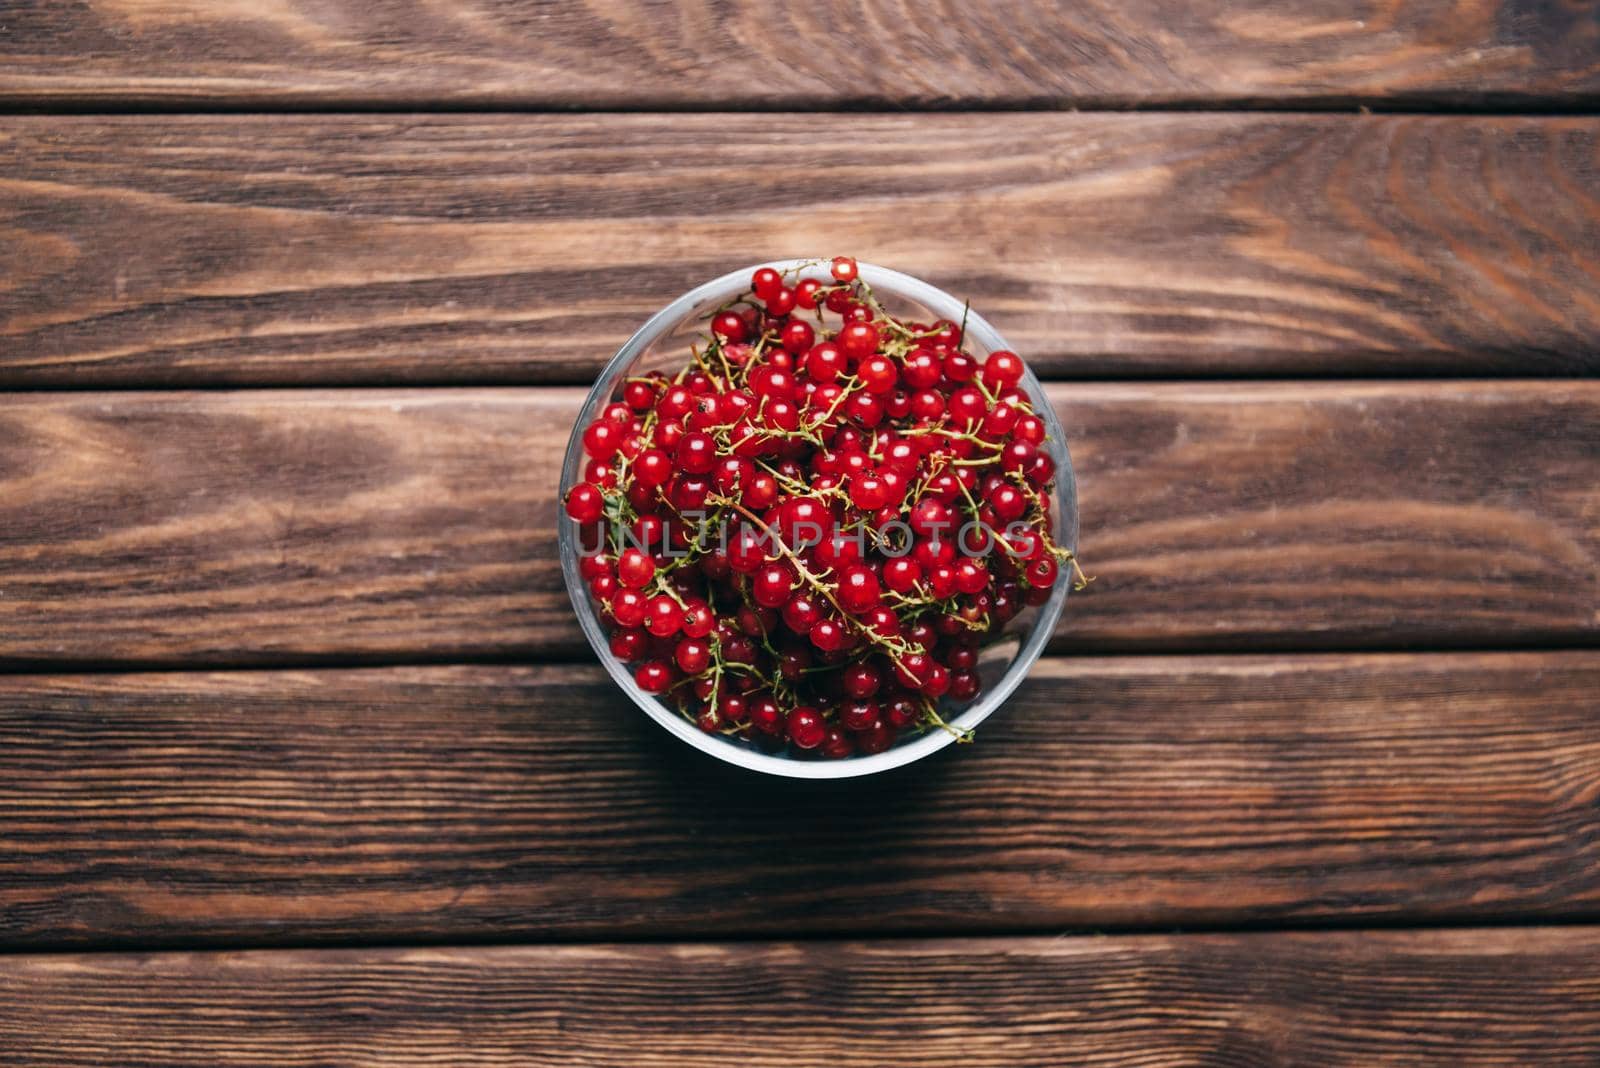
x=595, y=565
x=1018, y=455
x=861, y=681
x=1041, y=573
x=934, y=550
x=827, y=635
x=801, y=613
x=744, y=711
x=945, y=333
x=693, y=655
x=882, y=621
x=734, y=407
x=585, y=503
x=805, y=294
x=1008, y=502
x=838, y=548
x=844, y=269
x=961, y=658
x=772, y=585
x=697, y=452
x=901, y=575
x=858, y=588
x=729, y=326
x=781, y=303
x=959, y=367
x=738, y=649
x=967, y=407
x=927, y=404
x=639, y=394
x=864, y=408
x=901, y=710
x=635, y=569
x=762, y=492
x=911, y=669
x=662, y=616
x=653, y=468
x=825, y=361
x=689, y=494
x=733, y=474
x=781, y=415
x=965, y=685
x=806, y=727
x=629, y=643
x=747, y=550
x=765, y=282
x=858, y=340
x=836, y=745
x=649, y=531
x=698, y=619
x=877, y=373
x=868, y=492
x=1000, y=421
x=793, y=662
x=628, y=608
x=675, y=403
x=767, y=720
x=923, y=369
x=653, y=677
x=875, y=739
x=971, y=576
x=941, y=579
x=858, y=715
x=772, y=382
x=797, y=336
x=931, y=516
x=900, y=456
x=601, y=439
x=1002, y=370
x=667, y=436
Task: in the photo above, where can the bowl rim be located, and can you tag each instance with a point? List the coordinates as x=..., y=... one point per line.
x=663, y=322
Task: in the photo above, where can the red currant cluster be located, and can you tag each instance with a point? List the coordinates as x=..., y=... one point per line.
x=806, y=535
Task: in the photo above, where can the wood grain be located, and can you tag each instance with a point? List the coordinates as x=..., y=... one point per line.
x=1469, y=998
x=294, y=250
x=499, y=53
x=502, y=802
x=299, y=526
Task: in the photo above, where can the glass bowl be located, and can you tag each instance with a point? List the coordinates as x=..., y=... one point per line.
x=662, y=344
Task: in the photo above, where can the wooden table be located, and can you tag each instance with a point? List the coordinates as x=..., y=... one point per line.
x=303, y=760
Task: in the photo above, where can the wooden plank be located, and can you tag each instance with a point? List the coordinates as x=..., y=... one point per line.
x=294, y=526
x=1470, y=998
x=502, y=802
x=343, y=250
x=245, y=528
x=503, y=54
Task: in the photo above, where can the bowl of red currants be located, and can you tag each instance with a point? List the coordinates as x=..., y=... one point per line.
x=818, y=519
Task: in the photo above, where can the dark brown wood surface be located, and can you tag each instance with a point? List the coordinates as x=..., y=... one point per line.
x=500, y=53
x=523, y=249
x=288, y=674
x=1465, y=998
x=506, y=803
x=279, y=526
